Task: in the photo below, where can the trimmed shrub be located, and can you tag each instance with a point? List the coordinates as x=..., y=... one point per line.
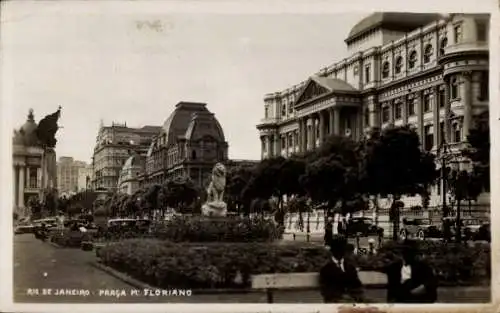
x=227, y=229
x=229, y=265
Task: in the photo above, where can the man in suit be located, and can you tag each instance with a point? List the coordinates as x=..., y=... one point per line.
x=410, y=280
x=339, y=281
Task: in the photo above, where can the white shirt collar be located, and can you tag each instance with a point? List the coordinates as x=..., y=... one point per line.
x=339, y=263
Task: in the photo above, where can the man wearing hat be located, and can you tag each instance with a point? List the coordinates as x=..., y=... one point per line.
x=339, y=281
x=410, y=280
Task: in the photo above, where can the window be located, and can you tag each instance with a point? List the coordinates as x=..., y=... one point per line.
x=454, y=88
x=355, y=70
x=457, y=133
x=290, y=106
x=283, y=142
x=283, y=109
x=458, y=33
x=385, y=70
x=266, y=111
x=484, y=87
x=385, y=114
x=367, y=117
x=367, y=74
x=290, y=140
x=442, y=98
x=411, y=107
x=441, y=130
x=427, y=103
x=399, y=65
x=412, y=60
x=481, y=31
x=427, y=53
x=442, y=46
x=398, y=112
x=429, y=138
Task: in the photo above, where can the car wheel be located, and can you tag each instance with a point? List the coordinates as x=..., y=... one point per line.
x=420, y=235
x=403, y=235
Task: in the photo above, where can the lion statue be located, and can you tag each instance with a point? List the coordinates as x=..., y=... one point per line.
x=215, y=205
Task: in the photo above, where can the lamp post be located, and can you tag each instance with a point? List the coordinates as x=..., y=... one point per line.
x=443, y=154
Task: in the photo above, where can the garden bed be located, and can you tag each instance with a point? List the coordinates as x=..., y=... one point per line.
x=166, y=264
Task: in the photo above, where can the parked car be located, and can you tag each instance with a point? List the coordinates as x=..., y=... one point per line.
x=24, y=229
x=470, y=227
x=364, y=226
x=419, y=228
x=121, y=226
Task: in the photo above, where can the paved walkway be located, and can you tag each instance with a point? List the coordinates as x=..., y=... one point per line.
x=39, y=266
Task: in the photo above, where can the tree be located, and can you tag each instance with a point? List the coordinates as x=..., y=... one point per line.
x=459, y=183
x=478, y=149
x=394, y=166
x=237, y=179
x=182, y=193
x=332, y=175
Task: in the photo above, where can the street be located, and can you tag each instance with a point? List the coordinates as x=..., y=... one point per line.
x=70, y=269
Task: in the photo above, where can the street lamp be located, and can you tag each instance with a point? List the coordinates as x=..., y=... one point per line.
x=443, y=154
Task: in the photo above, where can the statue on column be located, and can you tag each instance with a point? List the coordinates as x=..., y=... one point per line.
x=215, y=205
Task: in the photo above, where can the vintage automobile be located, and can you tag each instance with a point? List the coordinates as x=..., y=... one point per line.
x=24, y=229
x=419, y=228
x=470, y=227
x=363, y=226
x=483, y=233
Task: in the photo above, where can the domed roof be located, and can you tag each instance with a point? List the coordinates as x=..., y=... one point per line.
x=401, y=21
x=26, y=135
x=203, y=125
x=177, y=124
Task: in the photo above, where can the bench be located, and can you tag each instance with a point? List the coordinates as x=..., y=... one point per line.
x=273, y=282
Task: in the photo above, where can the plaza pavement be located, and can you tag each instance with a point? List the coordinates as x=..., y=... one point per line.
x=70, y=268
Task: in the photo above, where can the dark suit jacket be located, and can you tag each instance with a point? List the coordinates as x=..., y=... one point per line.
x=335, y=283
x=421, y=274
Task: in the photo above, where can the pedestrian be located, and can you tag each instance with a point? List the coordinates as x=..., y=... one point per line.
x=328, y=231
x=339, y=281
x=410, y=280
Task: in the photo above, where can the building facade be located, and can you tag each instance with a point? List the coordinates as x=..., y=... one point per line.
x=114, y=145
x=32, y=166
x=85, y=177
x=134, y=167
x=426, y=70
x=68, y=171
x=189, y=144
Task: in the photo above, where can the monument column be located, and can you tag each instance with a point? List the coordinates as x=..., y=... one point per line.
x=321, y=127
x=467, y=103
x=435, y=112
x=22, y=174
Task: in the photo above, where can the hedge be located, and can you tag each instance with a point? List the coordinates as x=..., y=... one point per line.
x=229, y=265
x=227, y=229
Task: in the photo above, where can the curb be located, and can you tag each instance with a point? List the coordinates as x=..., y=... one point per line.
x=53, y=244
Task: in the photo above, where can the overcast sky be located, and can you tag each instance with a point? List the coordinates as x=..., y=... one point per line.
x=106, y=66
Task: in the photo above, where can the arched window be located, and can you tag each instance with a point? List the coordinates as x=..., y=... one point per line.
x=442, y=46
x=412, y=60
x=454, y=88
x=399, y=65
x=427, y=53
x=385, y=70
x=283, y=109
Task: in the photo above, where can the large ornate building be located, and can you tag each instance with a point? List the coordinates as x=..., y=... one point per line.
x=189, y=144
x=426, y=70
x=33, y=166
x=114, y=145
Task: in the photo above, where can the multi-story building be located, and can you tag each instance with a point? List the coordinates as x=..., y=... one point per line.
x=134, y=167
x=426, y=70
x=68, y=171
x=189, y=144
x=114, y=145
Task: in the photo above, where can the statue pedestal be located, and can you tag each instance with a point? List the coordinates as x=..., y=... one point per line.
x=214, y=209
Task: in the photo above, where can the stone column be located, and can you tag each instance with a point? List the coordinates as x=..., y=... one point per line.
x=336, y=121
x=435, y=112
x=405, y=109
x=285, y=135
x=269, y=146
x=277, y=144
x=467, y=103
x=330, y=120
x=310, y=132
x=392, y=107
x=304, y=135
x=420, y=116
x=321, y=127
x=22, y=175
x=447, y=110
x=14, y=185
x=314, y=131
x=263, y=145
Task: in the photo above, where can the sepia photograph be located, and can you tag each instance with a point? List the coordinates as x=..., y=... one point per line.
x=204, y=157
